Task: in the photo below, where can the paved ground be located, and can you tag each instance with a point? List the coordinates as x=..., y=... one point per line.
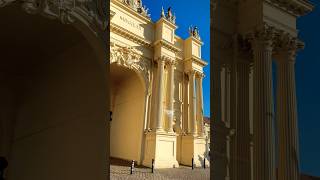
x=122, y=171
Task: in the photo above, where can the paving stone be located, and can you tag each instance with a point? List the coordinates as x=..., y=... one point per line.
x=141, y=173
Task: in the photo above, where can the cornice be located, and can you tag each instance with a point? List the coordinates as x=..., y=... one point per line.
x=174, y=26
x=196, y=40
x=197, y=60
x=167, y=45
x=129, y=35
x=274, y=21
x=294, y=7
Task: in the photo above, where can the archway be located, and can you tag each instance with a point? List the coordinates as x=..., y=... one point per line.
x=127, y=95
x=53, y=99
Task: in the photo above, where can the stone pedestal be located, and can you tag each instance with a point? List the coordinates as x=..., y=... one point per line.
x=194, y=147
x=162, y=148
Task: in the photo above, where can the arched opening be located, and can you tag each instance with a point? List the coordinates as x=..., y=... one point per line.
x=127, y=105
x=53, y=100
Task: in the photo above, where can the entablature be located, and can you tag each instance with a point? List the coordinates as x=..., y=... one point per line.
x=129, y=35
x=294, y=7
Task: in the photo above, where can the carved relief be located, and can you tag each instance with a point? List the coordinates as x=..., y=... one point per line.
x=138, y=7
x=130, y=58
x=93, y=13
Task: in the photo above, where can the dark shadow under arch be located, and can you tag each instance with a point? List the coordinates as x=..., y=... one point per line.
x=53, y=107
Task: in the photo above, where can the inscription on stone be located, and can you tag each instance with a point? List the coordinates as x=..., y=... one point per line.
x=131, y=23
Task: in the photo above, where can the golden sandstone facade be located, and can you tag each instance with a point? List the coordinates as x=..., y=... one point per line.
x=156, y=90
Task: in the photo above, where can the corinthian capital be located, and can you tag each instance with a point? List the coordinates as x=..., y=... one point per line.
x=163, y=59
x=171, y=62
x=200, y=75
x=262, y=37
x=286, y=46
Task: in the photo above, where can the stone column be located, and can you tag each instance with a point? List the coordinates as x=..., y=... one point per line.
x=287, y=117
x=264, y=152
x=200, y=104
x=193, y=106
x=159, y=124
x=243, y=168
x=171, y=95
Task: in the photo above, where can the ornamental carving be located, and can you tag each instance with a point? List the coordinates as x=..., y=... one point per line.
x=137, y=6
x=92, y=13
x=262, y=37
x=169, y=15
x=130, y=58
x=194, y=32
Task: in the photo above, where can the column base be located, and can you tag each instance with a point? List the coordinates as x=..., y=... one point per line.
x=194, y=147
x=161, y=146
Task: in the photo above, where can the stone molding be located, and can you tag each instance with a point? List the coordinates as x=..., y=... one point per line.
x=92, y=13
x=295, y=7
x=129, y=57
x=167, y=45
x=129, y=35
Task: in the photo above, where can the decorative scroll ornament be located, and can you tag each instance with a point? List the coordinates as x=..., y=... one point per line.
x=287, y=44
x=130, y=58
x=92, y=13
x=194, y=32
x=138, y=7
x=169, y=16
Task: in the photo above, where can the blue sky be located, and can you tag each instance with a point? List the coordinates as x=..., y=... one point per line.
x=189, y=12
x=308, y=91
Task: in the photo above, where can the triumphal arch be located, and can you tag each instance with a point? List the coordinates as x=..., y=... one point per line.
x=156, y=91
x=248, y=36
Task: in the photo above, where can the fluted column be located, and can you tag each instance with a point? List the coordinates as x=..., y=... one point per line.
x=193, y=106
x=264, y=152
x=159, y=125
x=243, y=168
x=287, y=117
x=200, y=104
x=171, y=95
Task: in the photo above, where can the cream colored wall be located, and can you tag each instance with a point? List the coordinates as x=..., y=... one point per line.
x=127, y=117
x=60, y=129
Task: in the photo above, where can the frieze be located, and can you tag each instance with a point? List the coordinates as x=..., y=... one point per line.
x=129, y=35
x=130, y=58
x=131, y=23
